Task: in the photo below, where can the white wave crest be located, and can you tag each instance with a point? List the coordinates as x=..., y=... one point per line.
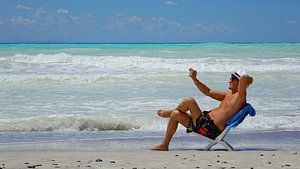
x=67, y=122
x=97, y=123
x=271, y=123
x=67, y=63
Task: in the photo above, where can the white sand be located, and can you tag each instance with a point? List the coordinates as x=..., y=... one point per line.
x=149, y=159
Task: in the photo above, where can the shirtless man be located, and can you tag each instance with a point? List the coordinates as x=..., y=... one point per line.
x=207, y=123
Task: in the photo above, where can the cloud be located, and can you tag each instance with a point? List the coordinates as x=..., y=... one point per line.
x=123, y=24
x=149, y=24
x=205, y=29
x=64, y=17
x=21, y=21
x=41, y=13
x=62, y=12
x=161, y=26
x=171, y=3
x=59, y=17
x=22, y=7
x=291, y=22
x=45, y=19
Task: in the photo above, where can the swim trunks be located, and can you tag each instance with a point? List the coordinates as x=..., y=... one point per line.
x=204, y=126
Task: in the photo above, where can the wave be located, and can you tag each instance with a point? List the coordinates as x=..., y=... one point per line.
x=67, y=68
x=87, y=79
x=67, y=122
x=67, y=63
x=150, y=124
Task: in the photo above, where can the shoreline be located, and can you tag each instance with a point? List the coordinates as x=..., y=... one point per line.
x=124, y=141
x=150, y=159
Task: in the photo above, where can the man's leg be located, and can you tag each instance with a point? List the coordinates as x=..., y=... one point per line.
x=190, y=104
x=187, y=104
x=175, y=118
x=165, y=113
x=179, y=115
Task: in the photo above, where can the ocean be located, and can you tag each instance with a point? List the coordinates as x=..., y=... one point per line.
x=104, y=97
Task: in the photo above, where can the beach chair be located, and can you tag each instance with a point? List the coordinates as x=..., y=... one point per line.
x=233, y=122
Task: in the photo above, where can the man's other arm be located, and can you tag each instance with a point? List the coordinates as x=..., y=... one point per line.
x=244, y=82
x=206, y=90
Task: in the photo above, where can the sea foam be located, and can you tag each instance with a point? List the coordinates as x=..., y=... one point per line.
x=150, y=64
x=149, y=123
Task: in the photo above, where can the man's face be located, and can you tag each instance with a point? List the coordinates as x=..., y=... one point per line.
x=233, y=83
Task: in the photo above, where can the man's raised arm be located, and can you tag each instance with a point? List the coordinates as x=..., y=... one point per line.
x=244, y=82
x=206, y=90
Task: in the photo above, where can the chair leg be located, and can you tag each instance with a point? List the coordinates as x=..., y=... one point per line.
x=210, y=145
x=222, y=142
x=226, y=145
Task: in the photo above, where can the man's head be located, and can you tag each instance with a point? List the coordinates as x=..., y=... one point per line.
x=235, y=78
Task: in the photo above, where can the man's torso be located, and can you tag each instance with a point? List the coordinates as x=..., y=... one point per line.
x=228, y=107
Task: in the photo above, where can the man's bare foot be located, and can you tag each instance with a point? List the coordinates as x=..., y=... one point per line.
x=164, y=113
x=160, y=148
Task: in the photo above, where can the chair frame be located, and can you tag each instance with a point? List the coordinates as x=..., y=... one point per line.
x=233, y=122
x=219, y=140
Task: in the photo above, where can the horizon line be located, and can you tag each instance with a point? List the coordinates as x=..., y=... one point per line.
x=149, y=42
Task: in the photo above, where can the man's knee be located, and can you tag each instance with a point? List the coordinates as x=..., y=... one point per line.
x=189, y=100
x=174, y=115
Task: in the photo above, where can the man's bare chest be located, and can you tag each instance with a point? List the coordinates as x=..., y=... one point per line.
x=228, y=101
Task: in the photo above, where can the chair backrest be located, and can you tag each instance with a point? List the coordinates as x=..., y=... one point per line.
x=238, y=117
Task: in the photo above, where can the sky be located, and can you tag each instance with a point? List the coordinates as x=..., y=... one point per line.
x=149, y=21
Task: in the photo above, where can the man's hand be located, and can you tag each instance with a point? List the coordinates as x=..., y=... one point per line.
x=193, y=73
x=246, y=79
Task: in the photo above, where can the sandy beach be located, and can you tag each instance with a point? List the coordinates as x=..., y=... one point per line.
x=81, y=83
x=150, y=159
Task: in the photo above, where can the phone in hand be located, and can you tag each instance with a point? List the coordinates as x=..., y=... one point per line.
x=191, y=72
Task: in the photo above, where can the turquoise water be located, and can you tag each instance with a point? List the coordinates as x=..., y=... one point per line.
x=56, y=93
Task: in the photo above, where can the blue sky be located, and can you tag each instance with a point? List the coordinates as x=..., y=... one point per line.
x=149, y=21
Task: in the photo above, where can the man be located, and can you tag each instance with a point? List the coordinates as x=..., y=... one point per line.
x=207, y=123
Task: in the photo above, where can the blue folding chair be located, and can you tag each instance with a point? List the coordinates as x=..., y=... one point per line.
x=233, y=122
